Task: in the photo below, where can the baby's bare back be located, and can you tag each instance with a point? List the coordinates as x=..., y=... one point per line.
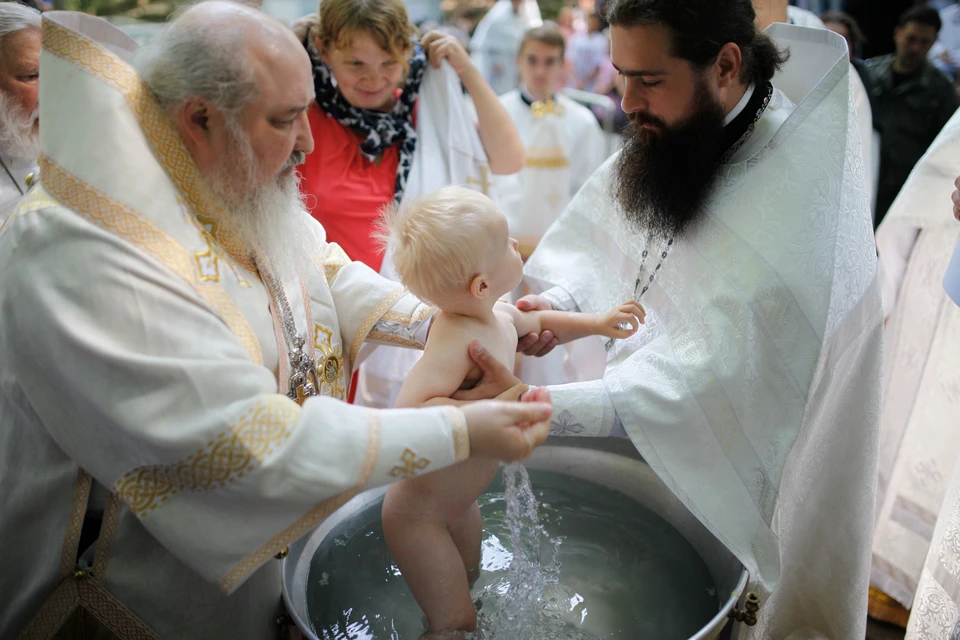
x=452, y=490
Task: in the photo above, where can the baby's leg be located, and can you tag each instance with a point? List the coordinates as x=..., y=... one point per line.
x=467, y=533
x=417, y=516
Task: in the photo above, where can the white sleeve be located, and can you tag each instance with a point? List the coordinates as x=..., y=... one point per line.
x=583, y=409
x=895, y=244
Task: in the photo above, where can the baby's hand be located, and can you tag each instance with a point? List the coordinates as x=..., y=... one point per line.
x=629, y=314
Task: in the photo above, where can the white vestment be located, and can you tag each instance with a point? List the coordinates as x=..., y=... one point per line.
x=11, y=190
x=449, y=151
x=144, y=370
x=869, y=137
x=496, y=40
x=753, y=389
x=564, y=145
x=919, y=441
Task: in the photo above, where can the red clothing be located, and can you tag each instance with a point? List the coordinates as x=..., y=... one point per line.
x=343, y=190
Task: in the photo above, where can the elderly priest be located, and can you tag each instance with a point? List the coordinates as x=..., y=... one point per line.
x=176, y=340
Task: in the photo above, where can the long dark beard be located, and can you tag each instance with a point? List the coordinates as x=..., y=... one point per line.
x=664, y=175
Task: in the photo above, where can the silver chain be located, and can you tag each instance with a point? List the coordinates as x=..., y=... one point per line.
x=637, y=291
x=303, y=378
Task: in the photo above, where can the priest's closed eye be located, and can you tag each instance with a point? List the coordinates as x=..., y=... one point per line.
x=650, y=84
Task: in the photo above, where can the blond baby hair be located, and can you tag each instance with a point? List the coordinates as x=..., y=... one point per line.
x=440, y=241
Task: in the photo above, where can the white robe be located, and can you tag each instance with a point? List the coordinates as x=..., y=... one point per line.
x=12, y=190
x=919, y=442
x=496, y=40
x=143, y=376
x=753, y=390
x=869, y=137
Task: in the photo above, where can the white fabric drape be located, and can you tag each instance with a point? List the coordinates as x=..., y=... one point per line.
x=496, y=39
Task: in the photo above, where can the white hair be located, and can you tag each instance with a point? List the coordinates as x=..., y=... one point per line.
x=193, y=58
x=17, y=17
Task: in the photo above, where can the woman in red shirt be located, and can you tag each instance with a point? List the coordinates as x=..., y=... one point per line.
x=367, y=72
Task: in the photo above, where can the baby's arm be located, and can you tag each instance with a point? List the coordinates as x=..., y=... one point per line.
x=441, y=370
x=567, y=326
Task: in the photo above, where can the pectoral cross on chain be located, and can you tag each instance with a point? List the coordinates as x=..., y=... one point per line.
x=484, y=182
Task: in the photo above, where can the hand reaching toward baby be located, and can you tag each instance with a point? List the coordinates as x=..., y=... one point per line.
x=623, y=321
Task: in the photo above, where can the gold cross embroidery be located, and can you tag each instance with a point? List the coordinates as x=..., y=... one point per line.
x=484, y=182
x=411, y=465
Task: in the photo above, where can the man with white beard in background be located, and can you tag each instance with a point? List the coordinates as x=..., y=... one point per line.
x=19, y=114
x=177, y=337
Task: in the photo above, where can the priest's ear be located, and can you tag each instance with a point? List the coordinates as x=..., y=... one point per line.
x=727, y=67
x=201, y=128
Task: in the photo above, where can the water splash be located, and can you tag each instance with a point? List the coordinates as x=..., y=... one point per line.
x=530, y=603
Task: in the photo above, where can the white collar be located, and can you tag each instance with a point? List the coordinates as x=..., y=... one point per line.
x=737, y=110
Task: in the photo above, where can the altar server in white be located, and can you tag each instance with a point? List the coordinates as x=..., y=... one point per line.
x=919, y=442
x=19, y=116
x=564, y=145
x=563, y=140
x=737, y=213
x=495, y=40
x=176, y=340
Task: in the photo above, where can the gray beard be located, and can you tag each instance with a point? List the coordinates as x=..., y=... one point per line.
x=19, y=135
x=270, y=219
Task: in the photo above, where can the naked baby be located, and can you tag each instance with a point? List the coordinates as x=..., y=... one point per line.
x=453, y=248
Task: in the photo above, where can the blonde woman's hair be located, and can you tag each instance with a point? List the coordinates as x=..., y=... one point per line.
x=439, y=242
x=386, y=21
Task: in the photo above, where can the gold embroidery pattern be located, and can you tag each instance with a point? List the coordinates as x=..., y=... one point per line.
x=208, y=261
x=180, y=167
x=111, y=612
x=104, y=211
x=330, y=369
x=388, y=338
x=255, y=560
x=371, y=320
x=108, y=532
x=54, y=612
x=461, y=437
x=36, y=199
x=227, y=457
x=421, y=313
x=335, y=260
x=410, y=465
x=71, y=539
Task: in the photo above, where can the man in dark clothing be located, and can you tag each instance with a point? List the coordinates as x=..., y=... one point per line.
x=912, y=101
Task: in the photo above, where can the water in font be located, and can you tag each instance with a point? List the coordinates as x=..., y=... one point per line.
x=586, y=563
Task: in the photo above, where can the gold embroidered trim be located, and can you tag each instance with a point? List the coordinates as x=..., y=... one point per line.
x=335, y=260
x=54, y=612
x=108, y=532
x=112, y=613
x=371, y=320
x=421, y=313
x=173, y=155
x=389, y=338
x=104, y=211
x=255, y=560
x=36, y=199
x=461, y=436
x=547, y=163
x=226, y=458
x=71, y=539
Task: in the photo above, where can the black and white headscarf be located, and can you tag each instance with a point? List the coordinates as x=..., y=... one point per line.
x=380, y=130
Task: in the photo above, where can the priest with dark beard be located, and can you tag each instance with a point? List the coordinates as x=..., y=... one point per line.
x=737, y=213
